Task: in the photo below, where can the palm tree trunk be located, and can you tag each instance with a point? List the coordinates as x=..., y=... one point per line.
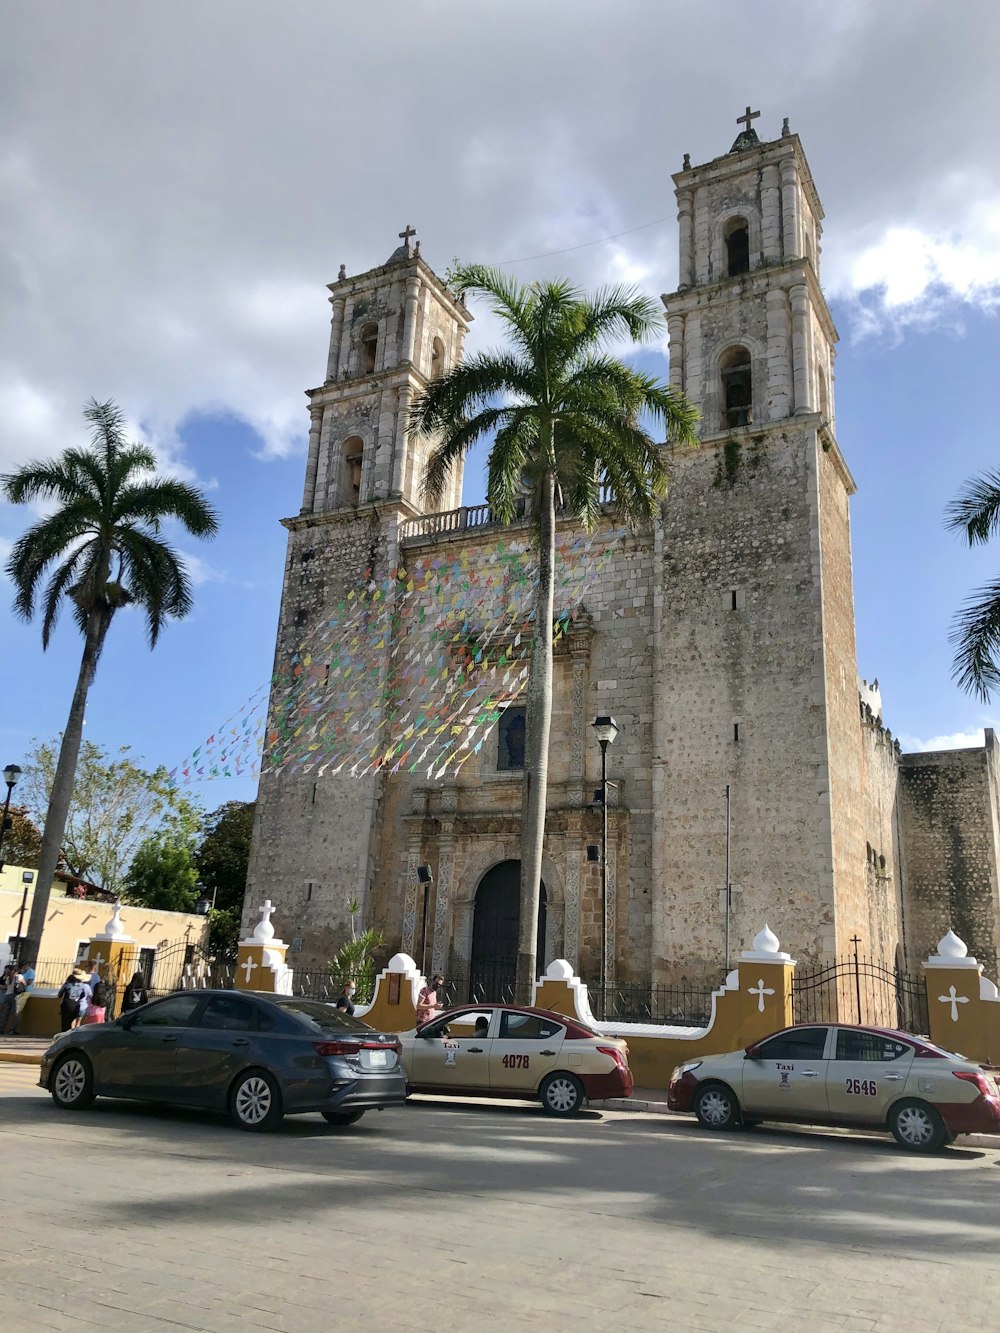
x=536, y=758
x=62, y=786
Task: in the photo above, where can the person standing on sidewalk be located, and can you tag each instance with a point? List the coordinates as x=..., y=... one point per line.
x=13, y=985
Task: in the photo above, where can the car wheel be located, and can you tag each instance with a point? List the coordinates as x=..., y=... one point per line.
x=255, y=1101
x=917, y=1127
x=562, y=1094
x=72, y=1083
x=341, y=1117
x=716, y=1107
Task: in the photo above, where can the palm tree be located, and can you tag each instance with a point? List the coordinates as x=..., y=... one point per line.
x=103, y=547
x=975, y=631
x=566, y=421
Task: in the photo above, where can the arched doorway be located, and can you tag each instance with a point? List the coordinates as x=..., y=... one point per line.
x=494, y=933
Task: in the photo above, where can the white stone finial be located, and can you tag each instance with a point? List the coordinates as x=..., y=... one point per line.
x=766, y=948
x=401, y=962
x=115, y=928
x=264, y=931
x=765, y=941
x=952, y=952
x=559, y=970
x=950, y=946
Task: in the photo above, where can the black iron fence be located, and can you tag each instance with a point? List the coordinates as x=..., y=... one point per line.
x=635, y=1002
x=860, y=990
x=623, y=1002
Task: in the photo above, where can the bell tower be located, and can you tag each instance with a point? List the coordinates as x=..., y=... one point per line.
x=751, y=338
x=757, y=741
x=392, y=331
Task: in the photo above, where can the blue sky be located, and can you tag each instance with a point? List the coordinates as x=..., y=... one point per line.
x=175, y=259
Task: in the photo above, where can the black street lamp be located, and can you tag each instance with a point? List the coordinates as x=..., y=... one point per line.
x=605, y=729
x=204, y=904
x=425, y=876
x=10, y=775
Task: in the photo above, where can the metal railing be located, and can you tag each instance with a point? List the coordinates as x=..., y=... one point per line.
x=636, y=1002
x=469, y=517
x=860, y=990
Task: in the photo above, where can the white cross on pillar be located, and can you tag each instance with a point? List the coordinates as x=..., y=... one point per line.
x=97, y=960
x=248, y=968
x=266, y=910
x=954, y=999
x=760, y=990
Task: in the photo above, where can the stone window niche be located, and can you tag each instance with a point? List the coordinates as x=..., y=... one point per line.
x=437, y=359
x=737, y=237
x=369, y=348
x=352, y=459
x=510, y=740
x=737, y=388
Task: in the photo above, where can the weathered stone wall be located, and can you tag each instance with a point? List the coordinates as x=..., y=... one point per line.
x=881, y=934
x=948, y=827
x=740, y=647
x=315, y=835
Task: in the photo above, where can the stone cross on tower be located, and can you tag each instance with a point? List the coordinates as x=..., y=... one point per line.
x=409, y=231
x=747, y=117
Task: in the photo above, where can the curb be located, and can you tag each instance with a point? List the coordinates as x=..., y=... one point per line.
x=631, y=1104
x=19, y=1058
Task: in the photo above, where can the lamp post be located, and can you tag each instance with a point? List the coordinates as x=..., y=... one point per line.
x=425, y=876
x=605, y=729
x=10, y=775
x=204, y=905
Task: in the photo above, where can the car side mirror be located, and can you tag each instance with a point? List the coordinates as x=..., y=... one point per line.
x=751, y=1053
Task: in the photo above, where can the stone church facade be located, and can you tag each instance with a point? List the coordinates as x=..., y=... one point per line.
x=721, y=639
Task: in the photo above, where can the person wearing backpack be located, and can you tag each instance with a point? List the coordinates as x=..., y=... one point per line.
x=135, y=993
x=103, y=996
x=74, y=996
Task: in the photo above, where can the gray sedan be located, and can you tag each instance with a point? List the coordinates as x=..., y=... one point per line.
x=257, y=1056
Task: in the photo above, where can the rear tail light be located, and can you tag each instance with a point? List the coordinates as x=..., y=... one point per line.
x=336, y=1047
x=974, y=1076
x=615, y=1054
x=355, y=1047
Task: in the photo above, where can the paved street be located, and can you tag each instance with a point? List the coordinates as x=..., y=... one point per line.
x=482, y=1217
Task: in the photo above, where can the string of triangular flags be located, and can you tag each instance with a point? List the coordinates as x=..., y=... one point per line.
x=407, y=674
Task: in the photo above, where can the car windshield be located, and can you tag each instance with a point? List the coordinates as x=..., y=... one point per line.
x=321, y=1017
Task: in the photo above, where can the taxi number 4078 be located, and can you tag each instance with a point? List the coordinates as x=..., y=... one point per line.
x=516, y=1061
x=867, y=1087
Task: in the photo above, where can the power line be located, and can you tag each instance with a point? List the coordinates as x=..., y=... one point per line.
x=601, y=240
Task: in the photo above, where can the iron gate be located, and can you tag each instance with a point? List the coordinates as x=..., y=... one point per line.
x=860, y=990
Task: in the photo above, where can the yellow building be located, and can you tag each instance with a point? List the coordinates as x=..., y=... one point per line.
x=160, y=939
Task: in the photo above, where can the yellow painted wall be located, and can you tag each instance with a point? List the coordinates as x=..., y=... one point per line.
x=974, y=1031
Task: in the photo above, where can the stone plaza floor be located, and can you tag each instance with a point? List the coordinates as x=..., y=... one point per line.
x=470, y=1216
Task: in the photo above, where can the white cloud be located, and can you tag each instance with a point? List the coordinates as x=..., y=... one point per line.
x=956, y=740
x=175, y=257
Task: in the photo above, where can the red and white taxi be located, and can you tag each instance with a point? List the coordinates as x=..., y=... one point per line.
x=502, y=1050
x=841, y=1074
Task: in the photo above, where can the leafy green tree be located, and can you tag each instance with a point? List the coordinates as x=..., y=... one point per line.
x=22, y=842
x=100, y=549
x=566, y=420
x=115, y=808
x=975, y=632
x=163, y=874
x=222, y=860
x=224, y=853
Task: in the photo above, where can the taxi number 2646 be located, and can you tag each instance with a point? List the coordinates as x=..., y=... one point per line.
x=516, y=1061
x=866, y=1087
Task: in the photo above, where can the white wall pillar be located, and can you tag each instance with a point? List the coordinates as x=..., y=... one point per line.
x=770, y=204
x=685, y=223
x=410, y=318
x=800, y=348
x=312, y=459
x=790, y=210
x=675, y=325
x=779, y=359
x=336, y=332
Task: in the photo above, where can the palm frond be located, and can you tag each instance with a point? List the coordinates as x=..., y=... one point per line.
x=976, y=509
x=460, y=438
x=150, y=502
x=471, y=385
x=975, y=634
